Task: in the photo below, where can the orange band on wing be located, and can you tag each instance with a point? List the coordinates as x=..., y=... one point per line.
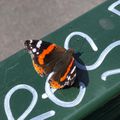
x=45, y=52
x=38, y=69
x=55, y=84
x=67, y=71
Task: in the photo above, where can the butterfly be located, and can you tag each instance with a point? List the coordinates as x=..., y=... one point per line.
x=48, y=57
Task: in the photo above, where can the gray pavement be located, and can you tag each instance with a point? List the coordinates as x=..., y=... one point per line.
x=33, y=19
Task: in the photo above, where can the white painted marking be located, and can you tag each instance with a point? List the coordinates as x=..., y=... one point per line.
x=109, y=73
x=44, y=115
x=59, y=102
x=73, y=70
x=39, y=44
x=44, y=95
x=34, y=50
x=101, y=57
x=28, y=110
x=112, y=7
x=94, y=47
x=89, y=40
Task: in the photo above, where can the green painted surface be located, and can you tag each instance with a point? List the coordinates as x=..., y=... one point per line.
x=109, y=111
x=103, y=27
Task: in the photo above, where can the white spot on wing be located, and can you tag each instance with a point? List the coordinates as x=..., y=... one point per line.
x=73, y=70
x=34, y=50
x=39, y=44
x=31, y=41
x=37, y=53
x=68, y=78
x=74, y=76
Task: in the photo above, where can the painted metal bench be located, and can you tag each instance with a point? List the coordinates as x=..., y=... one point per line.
x=96, y=35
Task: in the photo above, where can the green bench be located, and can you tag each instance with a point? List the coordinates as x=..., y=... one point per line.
x=21, y=88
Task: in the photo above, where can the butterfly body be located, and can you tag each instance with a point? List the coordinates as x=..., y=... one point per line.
x=48, y=57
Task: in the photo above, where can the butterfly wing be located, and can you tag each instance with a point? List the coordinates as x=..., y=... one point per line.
x=48, y=57
x=65, y=71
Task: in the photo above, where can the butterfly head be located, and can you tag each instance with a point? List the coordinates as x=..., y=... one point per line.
x=33, y=46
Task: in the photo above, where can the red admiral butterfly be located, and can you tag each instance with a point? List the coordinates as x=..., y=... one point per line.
x=48, y=57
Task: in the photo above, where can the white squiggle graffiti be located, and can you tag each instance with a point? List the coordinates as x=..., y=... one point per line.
x=94, y=47
x=59, y=102
x=109, y=73
x=28, y=110
x=88, y=38
x=112, y=7
x=101, y=57
x=44, y=115
x=44, y=95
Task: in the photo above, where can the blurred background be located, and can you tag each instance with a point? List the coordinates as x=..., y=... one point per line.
x=34, y=19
